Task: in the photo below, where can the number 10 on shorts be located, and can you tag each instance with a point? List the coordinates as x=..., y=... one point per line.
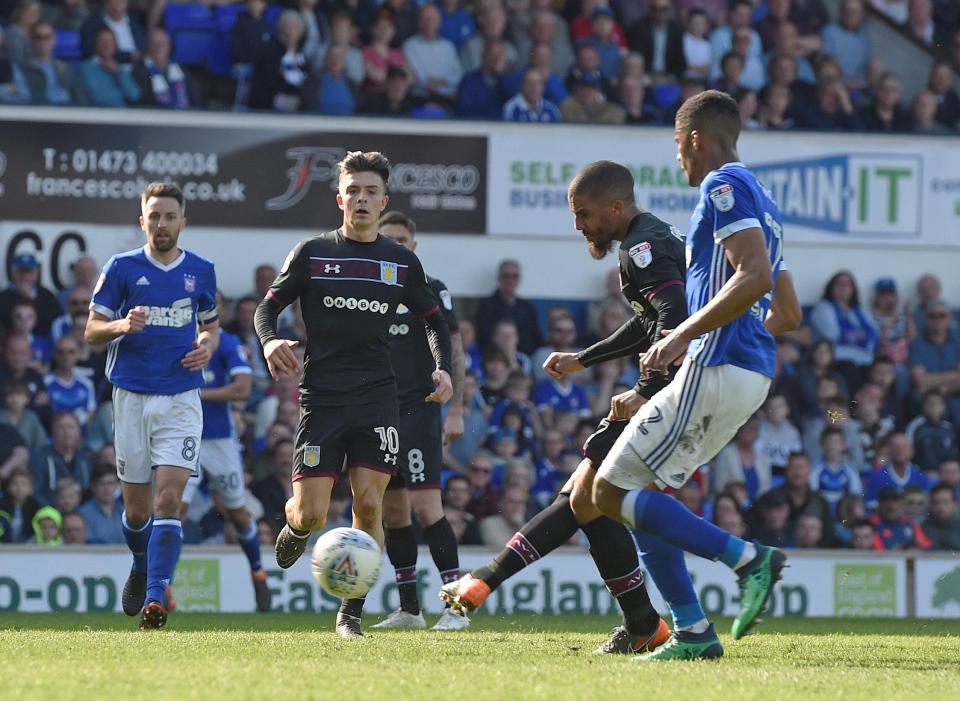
x=389, y=443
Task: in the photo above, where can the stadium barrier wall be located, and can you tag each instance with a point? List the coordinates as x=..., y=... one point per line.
x=823, y=583
x=258, y=183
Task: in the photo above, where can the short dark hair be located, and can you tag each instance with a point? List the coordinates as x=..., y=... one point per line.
x=102, y=470
x=797, y=454
x=158, y=189
x=713, y=112
x=729, y=56
x=831, y=431
x=396, y=217
x=860, y=523
x=16, y=387
x=943, y=487
x=453, y=478
x=603, y=180
x=365, y=162
x=935, y=392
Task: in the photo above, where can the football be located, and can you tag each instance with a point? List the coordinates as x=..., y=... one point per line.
x=346, y=562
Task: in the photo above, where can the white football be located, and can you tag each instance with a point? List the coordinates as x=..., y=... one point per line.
x=346, y=562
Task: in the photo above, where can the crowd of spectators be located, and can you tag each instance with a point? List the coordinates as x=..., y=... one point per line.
x=855, y=447
x=789, y=63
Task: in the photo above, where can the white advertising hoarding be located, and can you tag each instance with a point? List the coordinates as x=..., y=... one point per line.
x=217, y=579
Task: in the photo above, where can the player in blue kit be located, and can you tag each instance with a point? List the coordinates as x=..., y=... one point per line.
x=228, y=378
x=735, y=302
x=156, y=308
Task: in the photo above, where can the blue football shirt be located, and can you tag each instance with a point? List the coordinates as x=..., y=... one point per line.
x=731, y=200
x=229, y=361
x=177, y=298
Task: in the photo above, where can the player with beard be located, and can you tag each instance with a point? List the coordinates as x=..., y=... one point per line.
x=156, y=308
x=651, y=276
x=349, y=282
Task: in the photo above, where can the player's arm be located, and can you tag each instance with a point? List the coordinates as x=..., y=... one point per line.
x=746, y=251
x=422, y=300
x=785, y=313
x=290, y=283
x=238, y=390
x=453, y=425
x=208, y=338
x=103, y=329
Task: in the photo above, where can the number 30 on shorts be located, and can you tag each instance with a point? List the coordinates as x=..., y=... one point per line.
x=389, y=439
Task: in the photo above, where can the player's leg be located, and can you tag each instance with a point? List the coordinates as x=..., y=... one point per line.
x=136, y=478
x=402, y=550
x=615, y=555
x=683, y=426
x=372, y=445
x=221, y=461
x=367, y=486
x=317, y=460
x=442, y=541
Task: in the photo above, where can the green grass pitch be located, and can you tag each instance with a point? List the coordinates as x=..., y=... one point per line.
x=290, y=657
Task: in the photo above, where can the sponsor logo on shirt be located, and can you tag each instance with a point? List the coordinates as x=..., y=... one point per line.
x=722, y=197
x=363, y=305
x=641, y=254
x=178, y=314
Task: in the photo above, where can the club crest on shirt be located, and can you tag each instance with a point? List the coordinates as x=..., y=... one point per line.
x=311, y=455
x=388, y=272
x=446, y=300
x=402, y=309
x=722, y=197
x=641, y=254
x=189, y=283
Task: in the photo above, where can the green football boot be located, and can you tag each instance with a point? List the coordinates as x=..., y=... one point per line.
x=684, y=645
x=756, y=580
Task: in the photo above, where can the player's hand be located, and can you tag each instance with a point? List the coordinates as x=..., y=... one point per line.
x=281, y=360
x=198, y=358
x=452, y=427
x=444, y=390
x=664, y=353
x=134, y=321
x=624, y=406
x=559, y=364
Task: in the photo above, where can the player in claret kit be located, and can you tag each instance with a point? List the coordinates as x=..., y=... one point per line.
x=156, y=307
x=350, y=282
x=422, y=434
x=227, y=379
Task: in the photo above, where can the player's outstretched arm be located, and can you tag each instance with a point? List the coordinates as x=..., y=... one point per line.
x=101, y=329
x=752, y=278
x=785, y=313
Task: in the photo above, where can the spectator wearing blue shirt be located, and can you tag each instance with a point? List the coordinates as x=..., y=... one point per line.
x=335, y=96
x=847, y=41
x=69, y=389
x=933, y=437
x=553, y=397
x=102, y=512
x=482, y=92
x=108, y=83
x=541, y=58
x=832, y=476
x=64, y=457
x=529, y=105
x=601, y=36
x=51, y=81
x=934, y=358
x=899, y=472
x=24, y=320
x=456, y=23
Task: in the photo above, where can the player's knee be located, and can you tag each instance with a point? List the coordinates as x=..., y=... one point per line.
x=240, y=518
x=306, y=517
x=581, y=503
x=136, y=514
x=606, y=498
x=428, y=514
x=367, y=507
x=167, y=502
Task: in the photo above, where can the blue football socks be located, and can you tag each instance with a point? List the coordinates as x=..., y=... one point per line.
x=668, y=569
x=250, y=544
x=162, y=555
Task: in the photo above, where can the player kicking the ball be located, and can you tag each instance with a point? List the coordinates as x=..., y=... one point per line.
x=156, y=307
x=422, y=434
x=651, y=262
x=349, y=282
x=735, y=254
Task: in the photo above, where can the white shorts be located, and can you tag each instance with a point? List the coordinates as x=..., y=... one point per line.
x=155, y=429
x=684, y=426
x=220, y=459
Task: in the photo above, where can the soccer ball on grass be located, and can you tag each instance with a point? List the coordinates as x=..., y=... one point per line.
x=346, y=562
